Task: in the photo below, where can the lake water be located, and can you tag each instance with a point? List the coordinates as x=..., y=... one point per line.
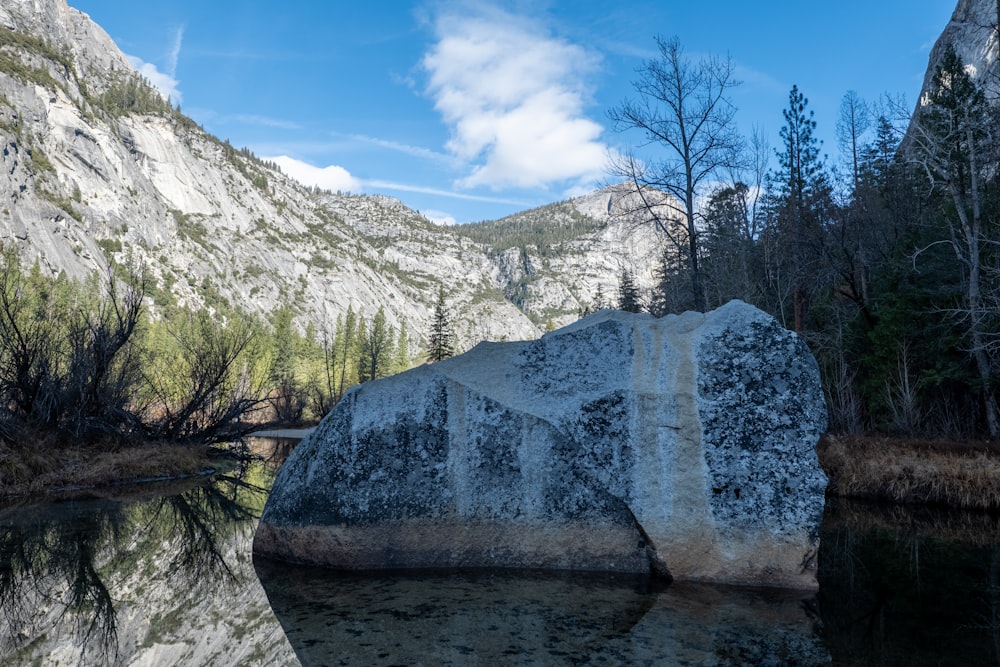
x=164, y=576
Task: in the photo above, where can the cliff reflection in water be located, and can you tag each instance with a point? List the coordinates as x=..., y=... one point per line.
x=163, y=577
x=166, y=577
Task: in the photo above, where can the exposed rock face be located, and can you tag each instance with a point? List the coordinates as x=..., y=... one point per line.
x=972, y=33
x=83, y=182
x=683, y=446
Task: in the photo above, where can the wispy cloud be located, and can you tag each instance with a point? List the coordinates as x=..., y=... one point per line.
x=335, y=177
x=175, y=52
x=755, y=80
x=408, y=149
x=165, y=82
x=404, y=187
x=514, y=96
x=253, y=119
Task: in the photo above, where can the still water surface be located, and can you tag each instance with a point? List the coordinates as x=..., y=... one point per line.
x=164, y=576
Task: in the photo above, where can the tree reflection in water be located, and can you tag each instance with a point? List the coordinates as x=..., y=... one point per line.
x=56, y=558
x=910, y=585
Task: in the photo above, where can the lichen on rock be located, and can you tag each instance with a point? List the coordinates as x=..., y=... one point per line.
x=682, y=446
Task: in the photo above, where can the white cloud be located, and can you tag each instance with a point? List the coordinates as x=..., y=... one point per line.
x=408, y=149
x=330, y=178
x=166, y=84
x=440, y=217
x=175, y=52
x=514, y=96
x=405, y=187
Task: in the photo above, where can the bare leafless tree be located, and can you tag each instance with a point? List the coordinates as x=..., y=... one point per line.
x=684, y=113
x=854, y=121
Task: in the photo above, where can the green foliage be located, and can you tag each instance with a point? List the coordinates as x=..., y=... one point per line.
x=190, y=228
x=544, y=228
x=14, y=40
x=64, y=203
x=629, y=298
x=80, y=360
x=441, y=340
x=130, y=94
x=402, y=360
x=377, y=348
x=40, y=160
x=16, y=67
x=286, y=346
x=204, y=378
x=110, y=246
x=250, y=167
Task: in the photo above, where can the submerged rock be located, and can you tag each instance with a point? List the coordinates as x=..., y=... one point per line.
x=682, y=446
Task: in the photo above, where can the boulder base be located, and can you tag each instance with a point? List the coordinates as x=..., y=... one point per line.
x=682, y=446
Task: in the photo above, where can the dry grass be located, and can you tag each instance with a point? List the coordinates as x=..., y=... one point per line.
x=46, y=468
x=965, y=475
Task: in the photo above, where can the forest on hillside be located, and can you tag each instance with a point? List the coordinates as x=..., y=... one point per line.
x=887, y=263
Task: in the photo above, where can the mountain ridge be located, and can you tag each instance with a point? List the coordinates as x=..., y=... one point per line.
x=95, y=169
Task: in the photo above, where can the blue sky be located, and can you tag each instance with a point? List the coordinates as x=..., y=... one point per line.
x=473, y=110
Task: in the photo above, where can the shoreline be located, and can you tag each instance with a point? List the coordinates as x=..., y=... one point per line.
x=912, y=471
x=882, y=469
x=84, y=471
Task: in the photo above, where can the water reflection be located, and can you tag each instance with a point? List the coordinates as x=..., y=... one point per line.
x=165, y=576
x=493, y=618
x=910, y=586
x=110, y=580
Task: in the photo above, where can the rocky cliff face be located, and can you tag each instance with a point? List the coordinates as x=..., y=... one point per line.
x=94, y=167
x=972, y=31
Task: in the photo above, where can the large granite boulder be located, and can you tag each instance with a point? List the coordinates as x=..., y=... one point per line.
x=682, y=446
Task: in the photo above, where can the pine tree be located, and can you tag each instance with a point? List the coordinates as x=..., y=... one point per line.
x=287, y=392
x=377, y=348
x=629, y=299
x=441, y=340
x=402, y=360
x=344, y=352
x=953, y=143
x=803, y=196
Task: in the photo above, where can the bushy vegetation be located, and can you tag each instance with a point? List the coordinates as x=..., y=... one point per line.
x=14, y=64
x=82, y=362
x=923, y=472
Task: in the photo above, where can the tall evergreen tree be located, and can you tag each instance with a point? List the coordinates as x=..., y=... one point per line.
x=286, y=397
x=344, y=351
x=402, y=360
x=801, y=200
x=629, y=298
x=441, y=344
x=732, y=262
x=377, y=348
